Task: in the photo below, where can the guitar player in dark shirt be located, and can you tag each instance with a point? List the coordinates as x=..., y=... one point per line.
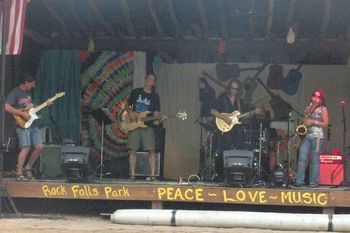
x=228, y=102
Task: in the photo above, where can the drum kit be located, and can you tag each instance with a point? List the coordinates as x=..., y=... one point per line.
x=267, y=143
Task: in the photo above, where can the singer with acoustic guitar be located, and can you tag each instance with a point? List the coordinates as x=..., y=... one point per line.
x=143, y=100
x=315, y=119
x=19, y=99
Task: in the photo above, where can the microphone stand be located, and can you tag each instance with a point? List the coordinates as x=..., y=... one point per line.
x=58, y=136
x=345, y=178
x=288, y=150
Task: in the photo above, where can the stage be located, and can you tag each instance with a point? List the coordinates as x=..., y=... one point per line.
x=158, y=192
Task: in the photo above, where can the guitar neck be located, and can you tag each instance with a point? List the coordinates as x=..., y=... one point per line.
x=43, y=105
x=151, y=118
x=247, y=114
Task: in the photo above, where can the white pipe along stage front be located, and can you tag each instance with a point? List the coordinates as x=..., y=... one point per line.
x=234, y=219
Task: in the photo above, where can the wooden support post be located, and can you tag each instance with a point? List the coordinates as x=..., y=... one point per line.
x=157, y=205
x=328, y=210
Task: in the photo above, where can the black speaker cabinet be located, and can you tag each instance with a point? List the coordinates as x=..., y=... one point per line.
x=159, y=139
x=142, y=164
x=242, y=158
x=238, y=166
x=75, y=162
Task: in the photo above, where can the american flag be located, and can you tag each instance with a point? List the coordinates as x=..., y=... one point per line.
x=15, y=18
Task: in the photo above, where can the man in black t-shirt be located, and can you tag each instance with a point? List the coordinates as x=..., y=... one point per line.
x=143, y=100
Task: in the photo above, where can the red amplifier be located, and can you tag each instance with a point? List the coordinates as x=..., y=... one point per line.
x=331, y=169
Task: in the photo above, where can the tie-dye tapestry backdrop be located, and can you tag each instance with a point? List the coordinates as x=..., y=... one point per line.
x=106, y=81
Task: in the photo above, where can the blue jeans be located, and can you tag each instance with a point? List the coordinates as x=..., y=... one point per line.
x=309, y=146
x=29, y=137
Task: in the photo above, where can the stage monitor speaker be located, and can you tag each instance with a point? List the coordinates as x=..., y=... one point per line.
x=241, y=158
x=50, y=165
x=238, y=166
x=331, y=170
x=142, y=164
x=75, y=163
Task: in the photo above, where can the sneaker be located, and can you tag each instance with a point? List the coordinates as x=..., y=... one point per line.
x=313, y=185
x=21, y=177
x=151, y=178
x=298, y=185
x=29, y=174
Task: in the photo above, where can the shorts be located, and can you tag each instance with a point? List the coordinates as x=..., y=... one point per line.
x=29, y=137
x=142, y=138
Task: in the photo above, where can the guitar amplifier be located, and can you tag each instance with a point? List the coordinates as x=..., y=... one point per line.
x=142, y=165
x=331, y=169
x=238, y=166
x=50, y=164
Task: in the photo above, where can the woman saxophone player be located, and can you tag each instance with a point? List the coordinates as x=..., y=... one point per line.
x=316, y=118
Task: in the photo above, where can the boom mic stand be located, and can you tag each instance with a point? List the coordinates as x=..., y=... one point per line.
x=4, y=196
x=3, y=191
x=104, y=117
x=345, y=156
x=288, y=150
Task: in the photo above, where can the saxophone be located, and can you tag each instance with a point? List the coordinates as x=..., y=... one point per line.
x=301, y=129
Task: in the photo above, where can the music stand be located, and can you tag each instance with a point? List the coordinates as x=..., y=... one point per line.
x=103, y=117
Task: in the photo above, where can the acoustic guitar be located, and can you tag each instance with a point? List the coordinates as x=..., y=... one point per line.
x=143, y=120
x=224, y=127
x=23, y=123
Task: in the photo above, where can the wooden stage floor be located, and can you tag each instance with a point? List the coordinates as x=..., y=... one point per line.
x=158, y=192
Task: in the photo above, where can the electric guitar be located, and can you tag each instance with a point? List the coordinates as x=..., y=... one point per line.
x=234, y=116
x=23, y=123
x=143, y=120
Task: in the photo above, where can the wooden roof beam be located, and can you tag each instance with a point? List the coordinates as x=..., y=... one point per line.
x=174, y=18
x=48, y=5
x=269, y=19
x=96, y=11
x=126, y=13
x=326, y=18
x=203, y=18
x=222, y=19
x=322, y=48
x=252, y=24
x=155, y=17
x=82, y=26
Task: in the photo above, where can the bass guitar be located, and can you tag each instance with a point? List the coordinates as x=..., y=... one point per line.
x=143, y=120
x=23, y=123
x=234, y=116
